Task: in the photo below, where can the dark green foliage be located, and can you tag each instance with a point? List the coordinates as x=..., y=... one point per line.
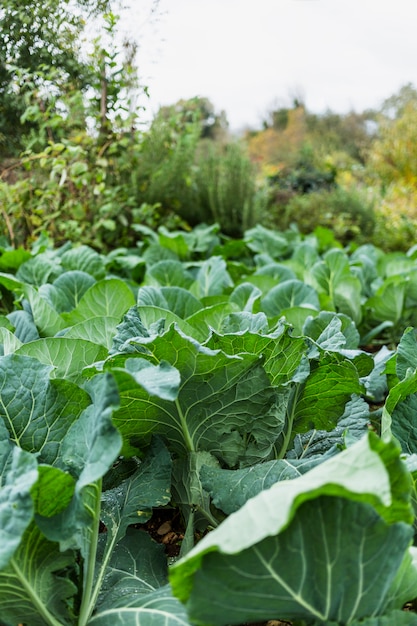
x=166, y=163
x=228, y=193
x=304, y=177
x=225, y=392
x=347, y=213
x=350, y=133
x=213, y=125
x=39, y=59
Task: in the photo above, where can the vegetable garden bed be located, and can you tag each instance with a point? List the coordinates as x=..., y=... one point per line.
x=218, y=395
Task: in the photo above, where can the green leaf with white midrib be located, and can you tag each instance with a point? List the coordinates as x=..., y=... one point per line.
x=9, y=341
x=290, y=293
x=142, y=414
x=24, y=326
x=230, y=489
x=37, y=411
x=29, y=588
x=108, y=297
x=98, y=330
x=212, y=278
x=130, y=586
x=40, y=269
x=344, y=519
x=261, y=239
x=67, y=356
x=168, y=272
x=92, y=443
x=89, y=448
x=347, y=298
x=331, y=270
x=387, y=304
x=224, y=404
x=258, y=586
x=18, y=474
x=282, y=353
x=352, y=426
x=244, y=321
x=137, y=567
x=332, y=276
x=67, y=290
x=326, y=391
x=331, y=338
x=151, y=315
x=175, y=299
x=246, y=296
x=405, y=582
x=406, y=360
x=327, y=321
x=189, y=494
x=159, y=610
x=160, y=380
x=47, y=320
x=401, y=400
x=85, y=259
x=210, y=318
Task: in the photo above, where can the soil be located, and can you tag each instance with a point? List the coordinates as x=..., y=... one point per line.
x=165, y=526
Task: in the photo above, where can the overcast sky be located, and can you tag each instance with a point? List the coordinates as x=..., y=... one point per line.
x=248, y=56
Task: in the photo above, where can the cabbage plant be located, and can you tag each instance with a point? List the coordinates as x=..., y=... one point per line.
x=226, y=381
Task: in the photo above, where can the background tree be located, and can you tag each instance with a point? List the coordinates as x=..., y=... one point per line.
x=278, y=145
x=393, y=155
x=351, y=133
x=40, y=59
x=75, y=122
x=392, y=169
x=214, y=125
x=287, y=130
x=394, y=106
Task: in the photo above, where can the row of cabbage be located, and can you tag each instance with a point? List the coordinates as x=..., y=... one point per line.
x=224, y=379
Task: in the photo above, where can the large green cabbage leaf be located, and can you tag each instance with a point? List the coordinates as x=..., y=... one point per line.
x=307, y=548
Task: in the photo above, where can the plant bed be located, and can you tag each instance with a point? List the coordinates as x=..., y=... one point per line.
x=203, y=446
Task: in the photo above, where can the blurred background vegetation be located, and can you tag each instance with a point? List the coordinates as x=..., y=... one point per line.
x=76, y=162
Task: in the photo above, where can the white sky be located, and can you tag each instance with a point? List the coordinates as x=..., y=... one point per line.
x=247, y=56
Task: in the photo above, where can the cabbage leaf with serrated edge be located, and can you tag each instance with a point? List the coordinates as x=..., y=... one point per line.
x=225, y=403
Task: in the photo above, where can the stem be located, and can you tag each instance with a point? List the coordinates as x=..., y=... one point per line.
x=207, y=515
x=189, y=442
x=292, y=402
x=88, y=600
x=36, y=601
x=102, y=571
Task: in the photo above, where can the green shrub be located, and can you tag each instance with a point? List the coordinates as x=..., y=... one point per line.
x=82, y=193
x=165, y=170
x=304, y=177
x=396, y=218
x=228, y=191
x=97, y=190
x=347, y=213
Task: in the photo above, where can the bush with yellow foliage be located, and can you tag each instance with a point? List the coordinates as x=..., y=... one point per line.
x=393, y=160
